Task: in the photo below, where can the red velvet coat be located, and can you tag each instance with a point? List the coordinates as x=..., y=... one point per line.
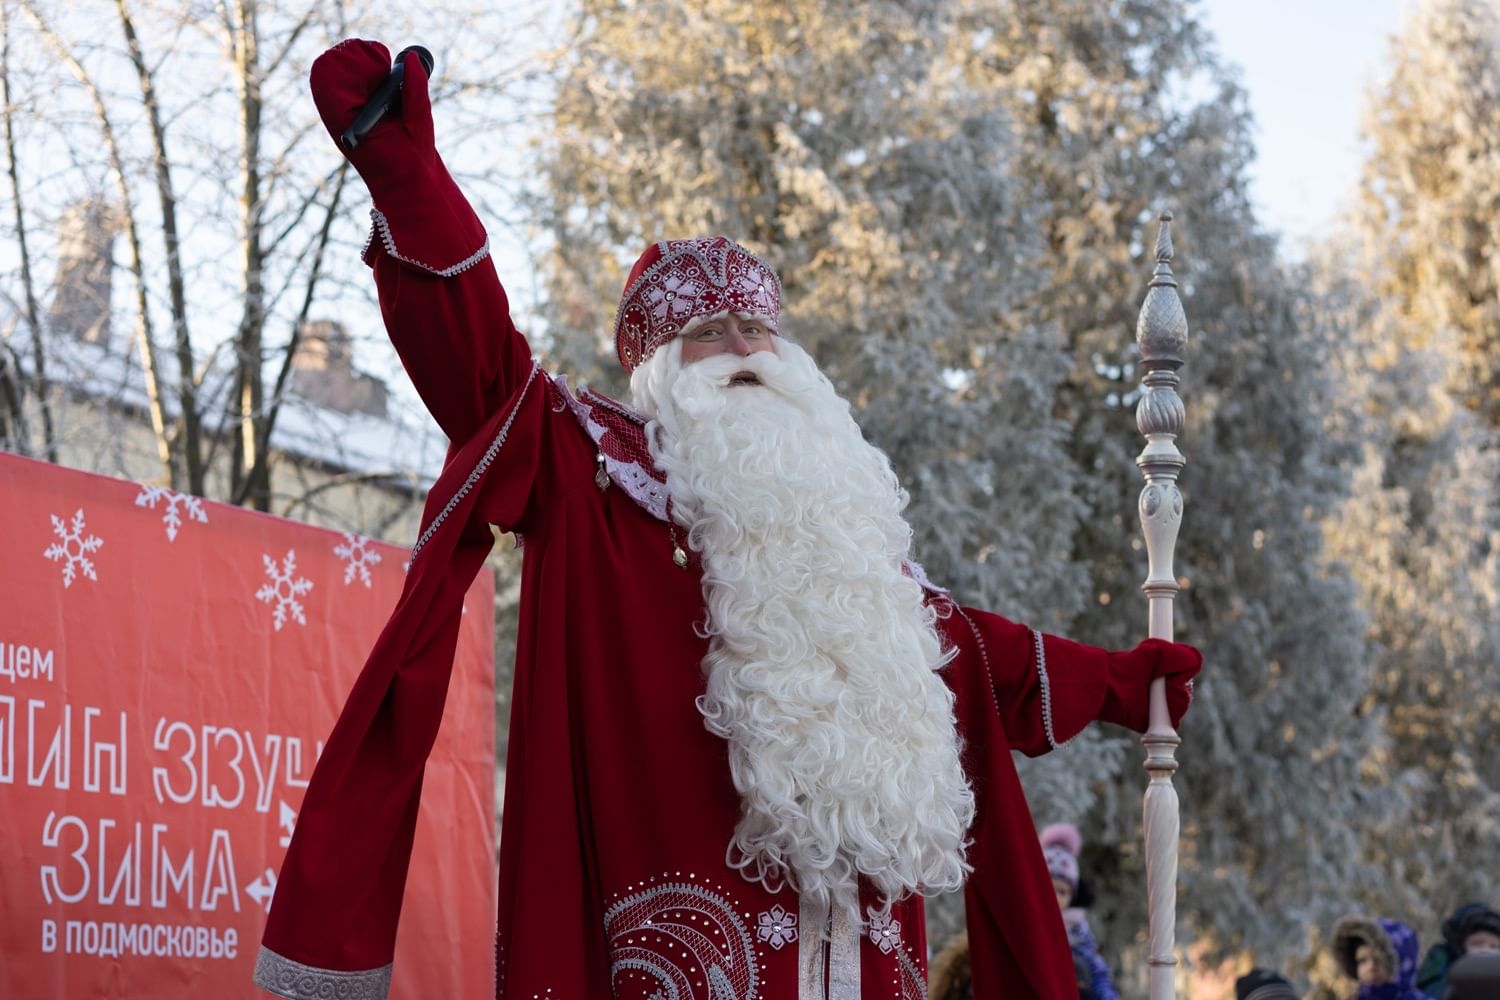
x=618, y=803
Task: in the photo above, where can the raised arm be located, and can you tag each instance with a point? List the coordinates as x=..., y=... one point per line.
x=443, y=304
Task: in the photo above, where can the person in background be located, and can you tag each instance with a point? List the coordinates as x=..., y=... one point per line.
x=1471, y=921
x=949, y=977
x=1380, y=956
x=1061, y=843
x=1479, y=930
x=1474, y=976
x=1263, y=984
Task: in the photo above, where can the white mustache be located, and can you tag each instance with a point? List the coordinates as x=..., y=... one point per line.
x=726, y=371
x=722, y=368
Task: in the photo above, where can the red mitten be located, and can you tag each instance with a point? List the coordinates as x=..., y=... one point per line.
x=421, y=217
x=1179, y=663
x=1131, y=673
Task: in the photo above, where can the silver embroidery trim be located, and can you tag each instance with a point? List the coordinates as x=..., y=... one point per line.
x=916, y=572
x=984, y=656
x=477, y=473
x=629, y=413
x=811, y=948
x=1041, y=669
x=741, y=961
x=383, y=225
x=913, y=982
x=294, y=981
x=638, y=484
x=843, y=957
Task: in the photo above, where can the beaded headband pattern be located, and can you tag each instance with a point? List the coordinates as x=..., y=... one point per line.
x=676, y=281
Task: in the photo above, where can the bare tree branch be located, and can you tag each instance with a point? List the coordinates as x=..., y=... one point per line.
x=249, y=467
x=13, y=431
x=305, y=498
x=132, y=230
x=302, y=209
x=301, y=321
x=189, y=418
x=291, y=42
x=10, y=387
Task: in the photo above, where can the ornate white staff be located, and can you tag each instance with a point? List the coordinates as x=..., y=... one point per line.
x=1162, y=334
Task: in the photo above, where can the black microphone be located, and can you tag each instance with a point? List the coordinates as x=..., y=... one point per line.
x=386, y=96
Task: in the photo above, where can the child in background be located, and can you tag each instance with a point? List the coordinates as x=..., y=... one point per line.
x=1380, y=956
x=1061, y=843
x=1471, y=927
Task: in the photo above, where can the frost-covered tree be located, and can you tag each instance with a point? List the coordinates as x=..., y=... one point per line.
x=1430, y=190
x=960, y=198
x=880, y=187
x=1422, y=529
x=1109, y=135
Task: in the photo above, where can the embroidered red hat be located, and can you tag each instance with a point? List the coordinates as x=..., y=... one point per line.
x=677, y=281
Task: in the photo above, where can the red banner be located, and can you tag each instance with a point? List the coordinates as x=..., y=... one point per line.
x=168, y=670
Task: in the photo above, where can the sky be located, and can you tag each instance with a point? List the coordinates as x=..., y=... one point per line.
x=1305, y=66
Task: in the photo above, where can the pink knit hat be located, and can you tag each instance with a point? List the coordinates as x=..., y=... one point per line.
x=1061, y=843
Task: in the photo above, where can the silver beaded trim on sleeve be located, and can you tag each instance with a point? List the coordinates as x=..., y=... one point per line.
x=1041, y=669
x=291, y=980
x=482, y=466
x=383, y=227
x=984, y=656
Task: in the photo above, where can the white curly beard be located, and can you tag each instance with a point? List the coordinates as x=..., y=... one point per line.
x=822, y=659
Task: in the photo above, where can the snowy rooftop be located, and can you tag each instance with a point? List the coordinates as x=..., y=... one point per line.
x=406, y=442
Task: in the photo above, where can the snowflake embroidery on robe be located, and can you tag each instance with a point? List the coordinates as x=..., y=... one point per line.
x=885, y=931
x=284, y=589
x=777, y=927
x=177, y=505
x=73, y=548
x=358, y=558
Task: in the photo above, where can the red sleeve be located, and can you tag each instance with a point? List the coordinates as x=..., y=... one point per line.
x=1047, y=689
x=453, y=333
x=1017, y=689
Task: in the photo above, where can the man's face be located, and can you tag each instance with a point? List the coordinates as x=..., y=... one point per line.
x=729, y=335
x=1482, y=941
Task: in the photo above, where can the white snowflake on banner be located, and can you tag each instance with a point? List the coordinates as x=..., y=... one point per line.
x=358, y=558
x=284, y=589
x=73, y=548
x=177, y=505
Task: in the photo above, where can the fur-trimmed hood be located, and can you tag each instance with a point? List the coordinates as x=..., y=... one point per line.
x=1396, y=951
x=949, y=976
